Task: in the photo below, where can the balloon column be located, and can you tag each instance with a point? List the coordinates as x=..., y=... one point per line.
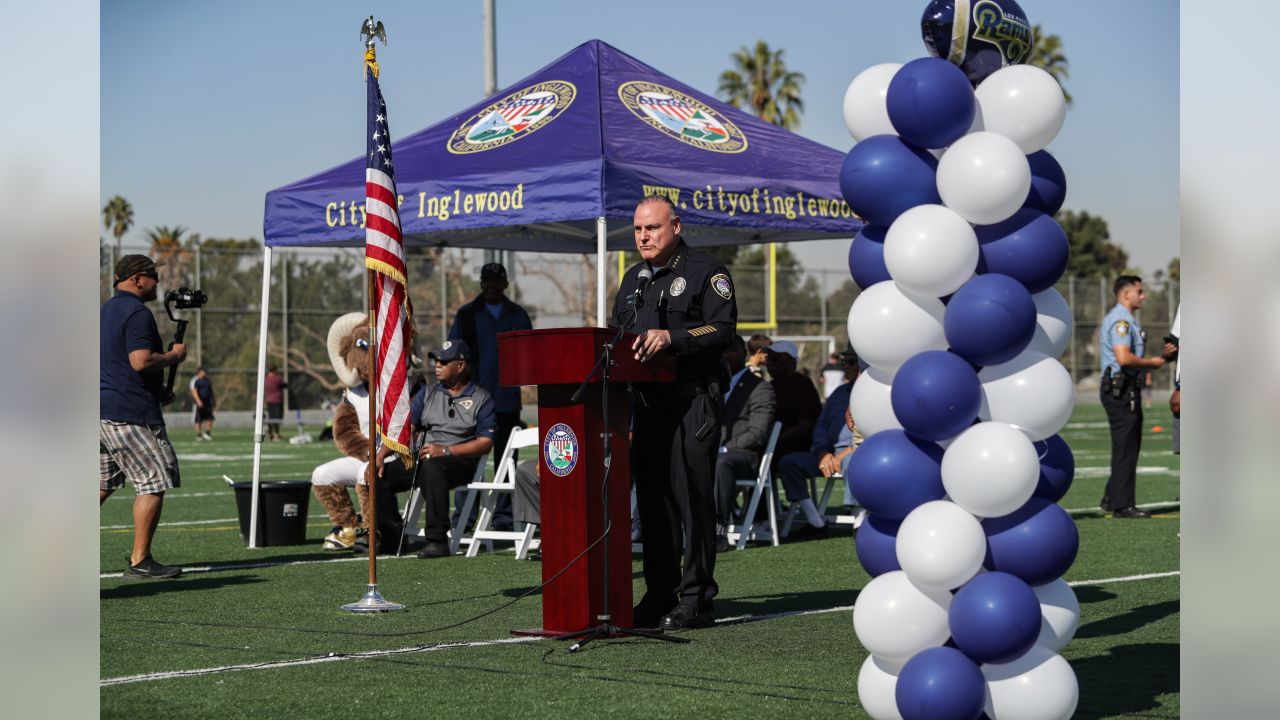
x=962, y=467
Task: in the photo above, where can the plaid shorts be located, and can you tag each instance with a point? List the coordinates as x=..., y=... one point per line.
x=141, y=453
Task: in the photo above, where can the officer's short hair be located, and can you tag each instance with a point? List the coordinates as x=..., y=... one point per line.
x=756, y=343
x=660, y=199
x=1123, y=282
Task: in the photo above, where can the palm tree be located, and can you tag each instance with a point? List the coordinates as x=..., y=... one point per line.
x=1046, y=53
x=761, y=82
x=166, y=247
x=117, y=216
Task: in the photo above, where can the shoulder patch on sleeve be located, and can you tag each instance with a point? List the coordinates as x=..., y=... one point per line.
x=1122, y=328
x=722, y=285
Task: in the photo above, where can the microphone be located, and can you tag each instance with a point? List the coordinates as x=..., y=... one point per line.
x=637, y=297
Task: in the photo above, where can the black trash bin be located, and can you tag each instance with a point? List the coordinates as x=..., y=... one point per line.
x=282, y=511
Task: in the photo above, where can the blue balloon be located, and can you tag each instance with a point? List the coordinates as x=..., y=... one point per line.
x=884, y=176
x=1037, y=542
x=940, y=684
x=936, y=395
x=990, y=319
x=994, y=618
x=997, y=33
x=930, y=102
x=893, y=473
x=876, y=543
x=866, y=256
x=1029, y=247
x=1048, y=183
x=1057, y=468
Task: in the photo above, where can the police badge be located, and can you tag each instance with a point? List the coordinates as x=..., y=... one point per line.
x=677, y=286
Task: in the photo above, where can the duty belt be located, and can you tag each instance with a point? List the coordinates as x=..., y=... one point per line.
x=651, y=394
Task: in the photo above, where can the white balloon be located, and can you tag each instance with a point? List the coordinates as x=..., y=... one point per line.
x=990, y=470
x=1040, y=685
x=940, y=546
x=930, y=250
x=1053, y=324
x=896, y=619
x=984, y=177
x=887, y=326
x=877, y=682
x=865, y=110
x=1025, y=104
x=1059, y=614
x=1032, y=392
x=870, y=403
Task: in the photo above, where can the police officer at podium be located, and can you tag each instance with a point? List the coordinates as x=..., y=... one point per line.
x=680, y=303
x=1123, y=343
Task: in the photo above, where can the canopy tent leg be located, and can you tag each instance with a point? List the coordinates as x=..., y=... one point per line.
x=262, y=374
x=602, y=229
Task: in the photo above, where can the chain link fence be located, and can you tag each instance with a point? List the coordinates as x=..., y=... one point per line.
x=311, y=287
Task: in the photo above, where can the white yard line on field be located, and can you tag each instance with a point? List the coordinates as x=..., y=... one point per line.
x=374, y=654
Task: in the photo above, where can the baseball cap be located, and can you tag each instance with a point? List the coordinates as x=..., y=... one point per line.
x=784, y=346
x=130, y=265
x=493, y=270
x=451, y=350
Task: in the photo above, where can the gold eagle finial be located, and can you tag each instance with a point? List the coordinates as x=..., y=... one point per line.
x=370, y=29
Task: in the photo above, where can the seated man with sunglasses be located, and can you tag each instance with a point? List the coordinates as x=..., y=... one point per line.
x=457, y=421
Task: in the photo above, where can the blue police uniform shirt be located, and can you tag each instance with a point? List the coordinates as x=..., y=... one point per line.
x=1120, y=328
x=124, y=394
x=485, y=347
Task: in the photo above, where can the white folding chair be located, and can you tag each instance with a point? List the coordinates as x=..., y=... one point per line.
x=821, y=504
x=504, y=481
x=413, y=507
x=759, y=486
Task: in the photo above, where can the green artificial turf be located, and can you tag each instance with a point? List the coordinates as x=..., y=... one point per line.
x=776, y=662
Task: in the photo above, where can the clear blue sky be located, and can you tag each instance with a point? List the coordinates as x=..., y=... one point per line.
x=207, y=106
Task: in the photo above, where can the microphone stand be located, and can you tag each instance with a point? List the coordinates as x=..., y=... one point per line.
x=605, y=627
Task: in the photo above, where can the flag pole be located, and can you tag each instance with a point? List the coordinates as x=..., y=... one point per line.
x=372, y=601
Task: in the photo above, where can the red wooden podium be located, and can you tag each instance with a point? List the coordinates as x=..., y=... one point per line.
x=570, y=467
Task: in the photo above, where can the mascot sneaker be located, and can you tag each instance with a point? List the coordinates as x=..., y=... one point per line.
x=340, y=538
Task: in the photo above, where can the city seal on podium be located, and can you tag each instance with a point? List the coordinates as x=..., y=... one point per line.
x=682, y=117
x=515, y=116
x=560, y=450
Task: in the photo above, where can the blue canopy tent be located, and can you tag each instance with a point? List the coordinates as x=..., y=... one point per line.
x=556, y=163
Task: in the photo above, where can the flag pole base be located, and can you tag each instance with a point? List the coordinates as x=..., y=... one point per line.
x=372, y=602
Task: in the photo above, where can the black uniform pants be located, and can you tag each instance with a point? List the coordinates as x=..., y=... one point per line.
x=437, y=477
x=675, y=489
x=1125, y=417
x=396, y=478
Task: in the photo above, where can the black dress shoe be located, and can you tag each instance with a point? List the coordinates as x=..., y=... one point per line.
x=1131, y=512
x=647, y=615
x=1105, y=504
x=685, y=617
x=434, y=550
x=810, y=532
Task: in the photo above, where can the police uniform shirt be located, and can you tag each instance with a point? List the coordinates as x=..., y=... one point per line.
x=1120, y=328
x=692, y=298
x=448, y=419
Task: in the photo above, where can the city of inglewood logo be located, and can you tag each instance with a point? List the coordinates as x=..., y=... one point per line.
x=682, y=117
x=513, y=117
x=560, y=450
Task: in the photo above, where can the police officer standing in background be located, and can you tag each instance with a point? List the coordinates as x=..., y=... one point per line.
x=685, y=314
x=1123, y=342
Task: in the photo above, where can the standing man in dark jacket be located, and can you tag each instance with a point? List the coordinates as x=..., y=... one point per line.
x=746, y=422
x=684, y=315
x=132, y=441
x=478, y=323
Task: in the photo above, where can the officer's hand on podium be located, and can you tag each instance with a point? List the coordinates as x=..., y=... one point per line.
x=650, y=343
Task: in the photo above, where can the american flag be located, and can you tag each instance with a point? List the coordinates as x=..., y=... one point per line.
x=384, y=254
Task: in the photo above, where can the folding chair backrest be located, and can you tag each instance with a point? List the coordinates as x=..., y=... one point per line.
x=520, y=438
x=766, y=460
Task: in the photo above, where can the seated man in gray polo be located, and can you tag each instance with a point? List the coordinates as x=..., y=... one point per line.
x=457, y=420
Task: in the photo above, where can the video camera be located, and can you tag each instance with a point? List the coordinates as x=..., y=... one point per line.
x=182, y=299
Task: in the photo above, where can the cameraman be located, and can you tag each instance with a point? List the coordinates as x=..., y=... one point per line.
x=132, y=440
